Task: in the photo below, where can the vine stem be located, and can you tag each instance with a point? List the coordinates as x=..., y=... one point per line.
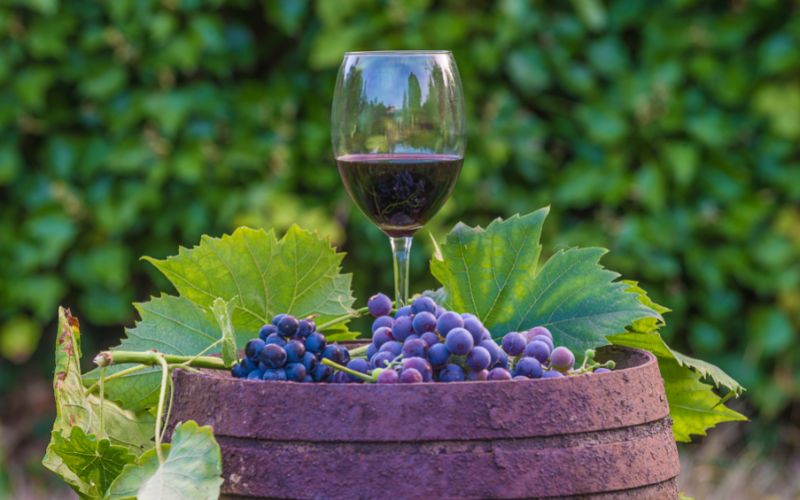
x=121, y=373
x=337, y=366
x=102, y=432
x=160, y=411
x=152, y=358
x=341, y=319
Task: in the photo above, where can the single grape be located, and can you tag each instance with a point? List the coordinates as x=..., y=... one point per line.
x=306, y=327
x=447, y=321
x=478, y=359
x=379, y=305
x=392, y=346
x=270, y=374
x=430, y=338
x=295, y=372
x=360, y=365
x=249, y=364
x=295, y=350
x=539, y=330
x=562, y=359
x=479, y=375
x=388, y=377
x=410, y=376
x=498, y=374
x=474, y=326
x=336, y=353
x=281, y=375
x=272, y=356
x=412, y=337
x=514, y=343
x=403, y=311
x=552, y=374
x=421, y=304
x=381, y=336
x=539, y=350
x=439, y=311
x=239, y=371
x=307, y=379
x=323, y=373
x=255, y=375
x=402, y=328
x=371, y=350
x=438, y=354
x=451, y=373
x=266, y=331
x=381, y=359
x=502, y=359
x=381, y=321
x=528, y=367
x=253, y=348
x=494, y=350
x=287, y=326
x=421, y=365
x=310, y=362
x=340, y=378
x=277, y=319
x=274, y=338
x=459, y=341
x=601, y=370
x=542, y=338
x=315, y=342
x=415, y=348
x=423, y=322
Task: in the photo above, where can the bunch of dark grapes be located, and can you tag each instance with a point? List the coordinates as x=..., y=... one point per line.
x=289, y=349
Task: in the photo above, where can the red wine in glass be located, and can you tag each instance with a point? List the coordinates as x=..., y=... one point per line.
x=399, y=192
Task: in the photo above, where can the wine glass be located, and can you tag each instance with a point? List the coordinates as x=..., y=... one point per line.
x=399, y=134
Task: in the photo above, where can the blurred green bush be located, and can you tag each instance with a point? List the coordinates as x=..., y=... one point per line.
x=665, y=131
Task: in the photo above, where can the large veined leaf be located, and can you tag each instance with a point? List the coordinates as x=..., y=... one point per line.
x=299, y=274
x=192, y=469
x=96, y=462
x=172, y=325
x=494, y=274
x=74, y=408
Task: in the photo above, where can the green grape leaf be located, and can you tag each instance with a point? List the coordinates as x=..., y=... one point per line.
x=192, y=469
x=74, y=408
x=300, y=274
x=96, y=463
x=693, y=405
x=222, y=313
x=172, y=325
x=493, y=273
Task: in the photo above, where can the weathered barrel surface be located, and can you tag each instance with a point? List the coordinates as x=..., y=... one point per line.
x=597, y=435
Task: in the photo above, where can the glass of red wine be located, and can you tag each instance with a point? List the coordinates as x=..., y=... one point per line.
x=399, y=134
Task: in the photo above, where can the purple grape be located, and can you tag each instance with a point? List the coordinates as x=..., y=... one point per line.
x=386, y=321
x=552, y=374
x=255, y=375
x=360, y=365
x=402, y=328
x=421, y=304
x=423, y=322
x=315, y=342
x=415, y=348
x=274, y=338
x=381, y=360
x=295, y=350
x=520, y=377
x=403, y=311
x=539, y=350
x=308, y=379
x=340, y=378
x=371, y=350
x=277, y=319
x=253, y=348
x=412, y=337
x=336, y=353
x=528, y=367
x=266, y=331
x=239, y=371
x=438, y=354
x=394, y=347
x=410, y=376
x=542, y=338
x=478, y=359
x=430, y=338
x=323, y=373
x=271, y=374
x=295, y=372
x=381, y=336
x=439, y=311
x=539, y=330
x=272, y=356
x=474, y=326
x=602, y=370
x=459, y=341
x=447, y=321
x=287, y=326
x=306, y=327
x=514, y=343
x=249, y=364
x=486, y=335
x=310, y=362
x=493, y=348
x=451, y=373
x=502, y=359
x=479, y=375
x=498, y=374
x=388, y=377
x=562, y=359
x=379, y=305
x=421, y=365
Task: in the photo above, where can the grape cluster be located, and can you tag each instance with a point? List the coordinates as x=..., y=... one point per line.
x=289, y=349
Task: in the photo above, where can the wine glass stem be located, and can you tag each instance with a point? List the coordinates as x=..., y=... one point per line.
x=401, y=250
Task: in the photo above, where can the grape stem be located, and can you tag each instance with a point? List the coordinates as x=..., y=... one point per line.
x=356, y=313
x=357, y=374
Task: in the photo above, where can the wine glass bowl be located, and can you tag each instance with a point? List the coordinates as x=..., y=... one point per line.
x=398, y=133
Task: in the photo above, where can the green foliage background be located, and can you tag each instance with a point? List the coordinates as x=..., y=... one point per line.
x=668, y=132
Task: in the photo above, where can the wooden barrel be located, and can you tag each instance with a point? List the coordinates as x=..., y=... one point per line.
x=596, y=436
